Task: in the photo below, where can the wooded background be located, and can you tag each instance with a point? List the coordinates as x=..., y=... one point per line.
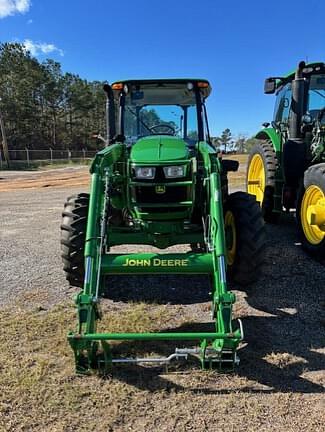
x=42, y=107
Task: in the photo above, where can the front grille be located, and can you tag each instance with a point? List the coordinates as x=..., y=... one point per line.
x=169, y=210
x=172, y=194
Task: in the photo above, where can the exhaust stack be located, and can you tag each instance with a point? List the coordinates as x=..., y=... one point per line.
x=298, y=102
x=110, y=114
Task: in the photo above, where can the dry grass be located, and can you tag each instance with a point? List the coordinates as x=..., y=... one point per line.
x=238, y=178
x=41, y=392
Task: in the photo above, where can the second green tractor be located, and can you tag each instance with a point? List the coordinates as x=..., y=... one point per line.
x=286, y=169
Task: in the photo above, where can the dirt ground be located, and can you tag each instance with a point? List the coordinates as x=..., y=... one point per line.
x=279, y=384
x=58, y=177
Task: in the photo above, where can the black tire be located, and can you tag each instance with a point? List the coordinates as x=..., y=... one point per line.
x=266, y=150
x=73, y=234
x=314, y=176
x=250, y=238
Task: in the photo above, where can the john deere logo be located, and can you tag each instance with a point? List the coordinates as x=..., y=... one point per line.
x=156, y=262
x=160, y=189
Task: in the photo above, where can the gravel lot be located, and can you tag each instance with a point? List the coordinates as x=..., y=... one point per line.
x=283, y=314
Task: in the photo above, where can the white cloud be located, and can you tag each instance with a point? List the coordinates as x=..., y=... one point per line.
x=38, y=48
x=30, y=21
x=11, y=7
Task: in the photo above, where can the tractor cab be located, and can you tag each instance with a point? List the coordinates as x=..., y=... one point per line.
x=316, y=98
x=167, y=107
x=159, y=122
x=300, y=101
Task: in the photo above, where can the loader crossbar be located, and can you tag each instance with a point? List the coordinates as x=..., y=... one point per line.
x=156, y=336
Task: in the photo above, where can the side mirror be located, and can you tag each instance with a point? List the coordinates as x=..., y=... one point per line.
x=269, y=85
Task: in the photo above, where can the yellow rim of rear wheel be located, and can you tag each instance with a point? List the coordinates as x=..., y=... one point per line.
x=256, y=178
x=312, y=214
x=231, y=238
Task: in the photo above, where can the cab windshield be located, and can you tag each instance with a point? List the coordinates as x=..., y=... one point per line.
x=316, y=95
x=160, y=109
x=141, y=121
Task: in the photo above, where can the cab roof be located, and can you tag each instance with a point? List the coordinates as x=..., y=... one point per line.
x=161, y=82
x=315, y=67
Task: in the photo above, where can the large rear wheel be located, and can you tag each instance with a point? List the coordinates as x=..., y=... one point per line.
x=311, y=211
x=260, y=179
x=245, y=238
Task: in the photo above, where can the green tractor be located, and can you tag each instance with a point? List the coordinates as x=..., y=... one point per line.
x=286, y=169
x=159, y=182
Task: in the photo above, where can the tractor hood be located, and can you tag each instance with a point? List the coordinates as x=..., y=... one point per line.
x=159, y=148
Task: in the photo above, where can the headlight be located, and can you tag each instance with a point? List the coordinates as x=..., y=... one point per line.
x=145, y=172
x=174, y=171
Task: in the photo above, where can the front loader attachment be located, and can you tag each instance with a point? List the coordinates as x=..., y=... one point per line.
x=92, y=350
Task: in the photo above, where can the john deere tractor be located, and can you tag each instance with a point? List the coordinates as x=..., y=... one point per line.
x=158, y=181
x=286, y=169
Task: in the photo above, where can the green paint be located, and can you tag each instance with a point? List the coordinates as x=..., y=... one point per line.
x=154, y=336
x=159, y=148
x=273, y=135
x=157, y=263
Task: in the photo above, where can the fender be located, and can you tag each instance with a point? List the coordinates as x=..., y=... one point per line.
x=270, y=133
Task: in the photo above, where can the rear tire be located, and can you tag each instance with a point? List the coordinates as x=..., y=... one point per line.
x=73, y=235
x=245, y=238
x=261, y=168
x=312, y=193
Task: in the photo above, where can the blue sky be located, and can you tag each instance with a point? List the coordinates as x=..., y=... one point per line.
x=235, y=44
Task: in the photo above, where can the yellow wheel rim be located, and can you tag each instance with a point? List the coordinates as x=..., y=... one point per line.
x=231, y=238
x=256, y=178
x=312, y=214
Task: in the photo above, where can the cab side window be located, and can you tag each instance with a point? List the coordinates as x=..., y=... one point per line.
x=283, y=104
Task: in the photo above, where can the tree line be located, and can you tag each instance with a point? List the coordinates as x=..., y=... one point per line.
x=44, y=108
x=227, y=143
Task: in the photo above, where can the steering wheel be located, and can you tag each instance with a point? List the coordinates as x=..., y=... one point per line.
x=166, y=126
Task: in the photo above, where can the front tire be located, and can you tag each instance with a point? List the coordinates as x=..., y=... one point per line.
x=245, y=238
x=260, y=178
x=73, y=235
x=310, y=211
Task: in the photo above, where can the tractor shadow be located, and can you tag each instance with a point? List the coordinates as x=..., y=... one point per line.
x=283, y=317
x=161, y=289
x=285, y=322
